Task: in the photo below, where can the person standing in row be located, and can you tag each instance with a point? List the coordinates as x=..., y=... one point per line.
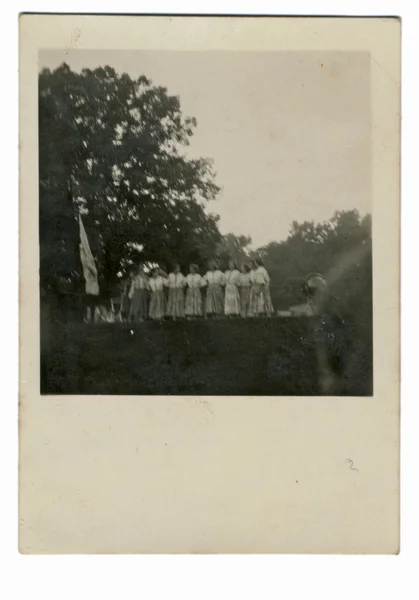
x=157, y=284
x=121, y=299
x=193, y=302
x=139, y=295
x=232, y=296
x=245, y=285
x=252, y=293
x=260, y=296
x=214, y=301
x=176, y=302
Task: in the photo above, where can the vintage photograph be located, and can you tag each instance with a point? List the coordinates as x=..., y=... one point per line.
x=205, y=222
x=209, y=285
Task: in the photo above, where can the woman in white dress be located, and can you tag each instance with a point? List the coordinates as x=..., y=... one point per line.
x=157, y=284
x=193, y=302
x=253, y=290
x=260, y=301
x=138, y=294
x=245, y=285
x=232, y=295
x=176, y=303
x=214, y=301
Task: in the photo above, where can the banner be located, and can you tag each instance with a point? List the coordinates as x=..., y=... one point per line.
x=88, y=262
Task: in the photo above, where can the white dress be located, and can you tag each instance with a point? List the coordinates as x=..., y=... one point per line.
x=158, y=299
x=260, y=296
x=138, y=294
x=245, y=285
x=232, y=295
x=214, y=301
x=193, y=302
x=176, y=302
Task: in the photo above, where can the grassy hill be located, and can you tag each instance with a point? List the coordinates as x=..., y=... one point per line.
x=264, y=357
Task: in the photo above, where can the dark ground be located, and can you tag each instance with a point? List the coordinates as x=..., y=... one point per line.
x=263, y=357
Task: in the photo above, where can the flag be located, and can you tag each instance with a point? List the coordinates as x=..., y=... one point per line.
x=88, y=262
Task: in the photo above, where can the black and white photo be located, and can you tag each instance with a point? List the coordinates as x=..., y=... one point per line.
x=205, y=223
x=209, y=285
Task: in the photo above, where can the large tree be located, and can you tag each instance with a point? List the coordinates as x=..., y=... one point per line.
x=114, y=148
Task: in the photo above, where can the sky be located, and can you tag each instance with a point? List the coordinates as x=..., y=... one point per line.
x=289, y=132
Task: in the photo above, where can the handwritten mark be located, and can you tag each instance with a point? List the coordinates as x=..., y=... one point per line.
x=206, y=406
x=351, y=464
x=73, y=40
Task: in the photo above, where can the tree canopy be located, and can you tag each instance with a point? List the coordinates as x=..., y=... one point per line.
x=114, y=148
x=340, y=249
x=234, y=247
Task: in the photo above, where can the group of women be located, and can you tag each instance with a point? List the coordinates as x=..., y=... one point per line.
x=232, y=293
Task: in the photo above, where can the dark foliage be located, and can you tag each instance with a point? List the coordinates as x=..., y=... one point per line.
x=114, y=148
x=339, y=249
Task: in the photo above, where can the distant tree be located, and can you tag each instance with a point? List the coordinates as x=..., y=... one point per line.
x=340, y=249
x=113, y=147
x=234, y=247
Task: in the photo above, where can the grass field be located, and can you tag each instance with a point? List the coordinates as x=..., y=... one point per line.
x=264, y=357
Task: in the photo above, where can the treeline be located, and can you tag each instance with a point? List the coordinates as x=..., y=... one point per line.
x=340, y=249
